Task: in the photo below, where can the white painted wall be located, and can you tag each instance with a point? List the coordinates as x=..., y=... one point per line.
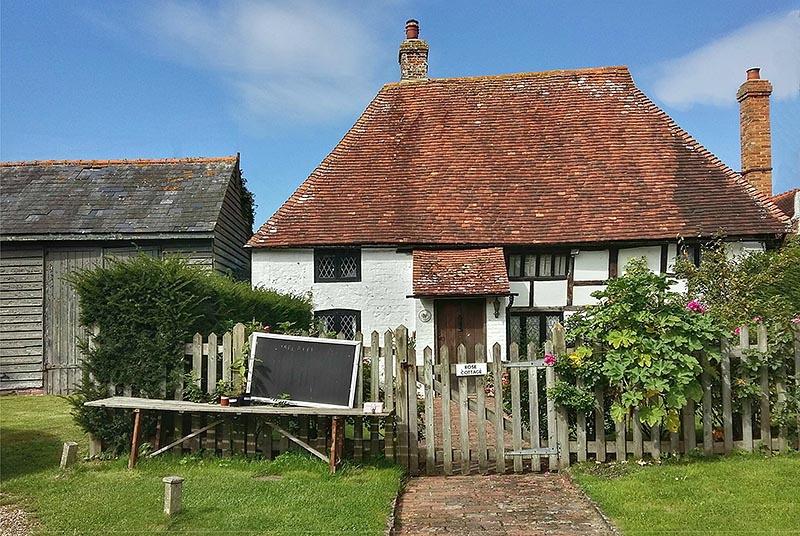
x=651, y=253
x=582, y=295
x=591, y=265
x=380, y=295
x=523, y=289
x=550, y=293
x=496, y=328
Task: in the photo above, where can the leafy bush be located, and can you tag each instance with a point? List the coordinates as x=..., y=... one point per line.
x=642, y=341
x=146, y=310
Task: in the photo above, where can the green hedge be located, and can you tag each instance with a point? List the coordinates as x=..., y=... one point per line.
x=146, y=310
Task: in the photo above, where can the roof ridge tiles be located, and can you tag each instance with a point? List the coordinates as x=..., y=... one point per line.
x=614, y=69
x=116, y=162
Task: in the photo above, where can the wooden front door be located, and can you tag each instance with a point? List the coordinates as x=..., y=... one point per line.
x=460, y=322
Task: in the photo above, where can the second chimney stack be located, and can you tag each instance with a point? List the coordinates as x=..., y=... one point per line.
x=753, y=97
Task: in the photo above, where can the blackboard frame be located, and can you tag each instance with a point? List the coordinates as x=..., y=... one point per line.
x=354, y=368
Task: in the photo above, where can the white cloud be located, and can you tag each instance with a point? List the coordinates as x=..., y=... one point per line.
x=298, y=59
x=712, y=74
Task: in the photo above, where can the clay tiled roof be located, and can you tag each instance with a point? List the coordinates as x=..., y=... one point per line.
x=82, y=198
x=785, y=201
x=534, y=158
x=460, y=272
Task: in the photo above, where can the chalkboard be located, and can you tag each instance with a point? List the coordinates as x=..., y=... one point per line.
x=303, y=371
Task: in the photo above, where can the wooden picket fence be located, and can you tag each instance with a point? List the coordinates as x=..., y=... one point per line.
x=554, y=436
x=724, y=427
x=209, y=359
x=443, y=424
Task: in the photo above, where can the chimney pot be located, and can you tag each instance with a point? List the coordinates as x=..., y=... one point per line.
x=754, y=73
x=412, y=29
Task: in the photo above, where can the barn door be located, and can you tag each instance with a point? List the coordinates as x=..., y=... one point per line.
x=62, y=329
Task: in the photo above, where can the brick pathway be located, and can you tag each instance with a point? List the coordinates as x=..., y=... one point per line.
x=527, y=504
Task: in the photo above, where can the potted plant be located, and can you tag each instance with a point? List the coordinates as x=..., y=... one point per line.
x=224, y=389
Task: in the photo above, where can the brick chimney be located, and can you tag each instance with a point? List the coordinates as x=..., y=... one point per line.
x=413, y=56
x=753, y=97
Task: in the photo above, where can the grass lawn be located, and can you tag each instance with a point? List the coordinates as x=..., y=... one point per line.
x=293, y=494
x=746, y=494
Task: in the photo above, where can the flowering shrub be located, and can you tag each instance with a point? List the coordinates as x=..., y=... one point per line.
x=642, y=341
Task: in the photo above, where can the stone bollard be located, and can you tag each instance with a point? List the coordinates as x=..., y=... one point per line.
x=172, y=494
x=95, y=447
x=69, y=454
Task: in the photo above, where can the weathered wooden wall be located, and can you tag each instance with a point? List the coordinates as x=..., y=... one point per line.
x=21, y=305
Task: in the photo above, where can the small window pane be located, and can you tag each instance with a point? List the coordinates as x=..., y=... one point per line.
x=560, y=265
x=532, y=330
x=545, y=266
x=327, y=267
x=515, y=265
x=349, y=267
x=551, y=321
x=515, y=330
x=348, y=326
x=530, y=265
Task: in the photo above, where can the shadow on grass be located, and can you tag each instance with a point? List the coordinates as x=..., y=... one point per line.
x=24, y=452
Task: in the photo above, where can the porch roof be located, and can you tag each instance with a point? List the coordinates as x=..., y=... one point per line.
x=460, y=272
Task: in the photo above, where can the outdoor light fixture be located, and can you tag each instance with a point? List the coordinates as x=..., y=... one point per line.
x=496, y=304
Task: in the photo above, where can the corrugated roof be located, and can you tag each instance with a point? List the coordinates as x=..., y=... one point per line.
x=460, y=272
x=534, y=158
x=117, y=197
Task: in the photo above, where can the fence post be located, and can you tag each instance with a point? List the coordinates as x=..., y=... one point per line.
x=430, y=444
x=173, y=486
x=401, y=396
x=766, y=433
x=69, y=454
x=797, y=373
x=552, y=423
x=747, y=405
x=727, y=409
x=560, y=348
x=447, y=437
x=499, y=428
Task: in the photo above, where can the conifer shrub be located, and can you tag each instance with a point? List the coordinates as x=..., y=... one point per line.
x=144, y=310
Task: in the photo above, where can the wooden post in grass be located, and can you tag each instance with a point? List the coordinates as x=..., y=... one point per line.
x=173, y=488
x=135, y=441
x=69, y=454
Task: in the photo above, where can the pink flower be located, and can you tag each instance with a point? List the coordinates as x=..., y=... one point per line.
x=266, y=329
x=696, y=306
x=737, y=330
x=796, y=320
x=757, y=319
x=549, y=359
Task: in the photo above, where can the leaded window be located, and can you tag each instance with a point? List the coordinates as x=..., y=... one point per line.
x=525, y=328
x=538, y=265
x=331, y=265
x=344, y=321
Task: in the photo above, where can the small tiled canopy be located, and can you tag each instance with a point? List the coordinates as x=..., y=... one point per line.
x=460, y=272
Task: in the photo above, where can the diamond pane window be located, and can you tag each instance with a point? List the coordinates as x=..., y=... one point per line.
x=327, y=267
x=331, y=265
x=344, y=321
x=525, y=328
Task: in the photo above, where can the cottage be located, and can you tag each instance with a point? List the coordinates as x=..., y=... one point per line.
x=60, y=216
x=485, y=209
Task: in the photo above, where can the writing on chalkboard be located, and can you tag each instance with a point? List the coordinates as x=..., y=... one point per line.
x=303, y=371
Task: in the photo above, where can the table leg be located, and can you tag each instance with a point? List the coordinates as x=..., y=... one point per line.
x=135, y=440
x=334, y=442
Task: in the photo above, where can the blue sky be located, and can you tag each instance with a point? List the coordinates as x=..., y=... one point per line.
x=281, y=82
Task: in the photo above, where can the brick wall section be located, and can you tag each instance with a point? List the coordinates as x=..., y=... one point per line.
x=753, y=97
x=413, y=59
